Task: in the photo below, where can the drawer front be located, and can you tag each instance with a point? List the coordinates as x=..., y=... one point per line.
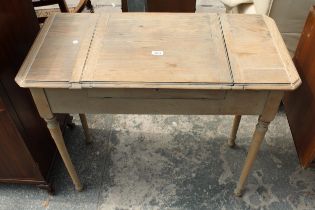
x=95, y=102
x=157, y=94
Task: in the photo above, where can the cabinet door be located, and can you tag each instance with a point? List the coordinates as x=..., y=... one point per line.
x=15, y=160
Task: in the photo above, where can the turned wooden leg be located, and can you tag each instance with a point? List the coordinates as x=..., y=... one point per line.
x=268, y=114
x=236, y=124
x=85, y=128
x=56, y=134
x=259, y=134
x=45, y=112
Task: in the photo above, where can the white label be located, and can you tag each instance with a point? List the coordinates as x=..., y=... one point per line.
x=75, y=41
x=157, y=52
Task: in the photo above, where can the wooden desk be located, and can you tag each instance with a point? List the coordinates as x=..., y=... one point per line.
x=159, y=64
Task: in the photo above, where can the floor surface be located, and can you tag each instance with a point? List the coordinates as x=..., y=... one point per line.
x=172, y=162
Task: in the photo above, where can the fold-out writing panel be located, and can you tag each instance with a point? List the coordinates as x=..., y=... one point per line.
x=253, y=54
x=159, y=48
x=63, y=49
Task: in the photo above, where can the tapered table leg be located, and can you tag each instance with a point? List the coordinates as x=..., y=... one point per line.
x=236, y=124
x=56, y=134
x=268, y=114
x=259, y=134
x=85, y=128
x=45, y=112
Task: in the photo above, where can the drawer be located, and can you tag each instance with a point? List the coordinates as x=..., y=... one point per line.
x=157, y=94
x=156, y=101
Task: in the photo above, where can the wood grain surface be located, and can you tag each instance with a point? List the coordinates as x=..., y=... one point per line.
x=159, y=50
x=123, y=45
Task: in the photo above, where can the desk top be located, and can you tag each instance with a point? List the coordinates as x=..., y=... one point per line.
x=159, y=50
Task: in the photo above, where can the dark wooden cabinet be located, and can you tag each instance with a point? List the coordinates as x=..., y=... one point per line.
x=165, y=5
x=16, y=162
x=299, y=104
x=26, y=148
x=171, y=5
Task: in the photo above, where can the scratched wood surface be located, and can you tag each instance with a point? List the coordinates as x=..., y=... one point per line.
x=192, y=47
x=255, y=51
x=60, y=48
x=159, y=50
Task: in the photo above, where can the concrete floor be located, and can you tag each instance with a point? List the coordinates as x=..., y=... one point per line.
x=171, y=162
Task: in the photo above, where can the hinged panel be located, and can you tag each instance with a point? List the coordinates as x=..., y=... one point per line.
x=253, y=55
x=62, y=54
x=158, y=48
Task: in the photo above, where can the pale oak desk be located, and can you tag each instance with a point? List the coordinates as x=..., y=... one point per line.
x=200, y=64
